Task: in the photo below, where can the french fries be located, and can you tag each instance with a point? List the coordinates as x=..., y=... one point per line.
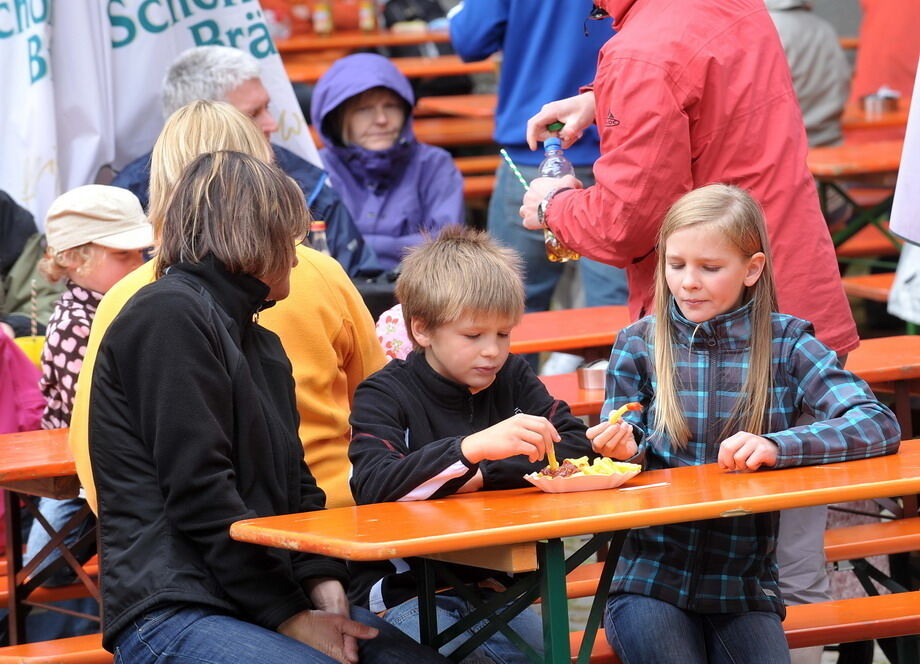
x=600, y=466
x=619, y=412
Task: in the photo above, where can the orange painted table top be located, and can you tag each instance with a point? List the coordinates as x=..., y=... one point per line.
x=356, y=39
x=496, y=518
x=879, y=157
x=566, y=329
x=35, y=455
x=471, y=106
x=309, y=70
x=855, y=117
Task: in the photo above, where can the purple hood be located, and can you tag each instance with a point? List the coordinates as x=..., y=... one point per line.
x=351, y=76
x=394, y=195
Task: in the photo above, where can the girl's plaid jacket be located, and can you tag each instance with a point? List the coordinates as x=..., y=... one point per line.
x=728, y=565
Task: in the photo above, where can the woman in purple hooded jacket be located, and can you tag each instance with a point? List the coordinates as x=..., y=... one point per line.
x=395, y=187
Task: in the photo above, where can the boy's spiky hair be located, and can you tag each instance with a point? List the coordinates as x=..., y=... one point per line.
x=461, y=271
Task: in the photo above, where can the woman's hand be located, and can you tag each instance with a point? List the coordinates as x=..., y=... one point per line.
x=330, y=633
x=615, y=440
x=576, y=113
x=746, y=451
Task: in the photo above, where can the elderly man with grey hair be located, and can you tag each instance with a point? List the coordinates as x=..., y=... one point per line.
x=220, y=73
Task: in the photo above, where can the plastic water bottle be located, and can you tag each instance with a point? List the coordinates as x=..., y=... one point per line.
x=555, y=165
x=318, y=237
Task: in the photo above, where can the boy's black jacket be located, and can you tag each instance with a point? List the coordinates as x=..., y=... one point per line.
x=407, y=425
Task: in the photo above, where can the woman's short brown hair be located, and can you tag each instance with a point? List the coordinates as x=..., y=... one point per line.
x=247, y=213
x=461, y=271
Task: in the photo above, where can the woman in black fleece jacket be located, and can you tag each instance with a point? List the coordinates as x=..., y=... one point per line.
x=193, y=426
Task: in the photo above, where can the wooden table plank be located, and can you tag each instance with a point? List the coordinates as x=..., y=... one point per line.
x=356, y=39
x=309, y=70
x=494, y=518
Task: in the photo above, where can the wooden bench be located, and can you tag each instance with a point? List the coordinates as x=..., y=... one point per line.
x=822, y=623
x=875, y=287
x=304, y=68
x=43, y=595
x=478, y=186
x=446, y=132
x=869, y=242
x=478, y=164
x=75, y=650
x=469, y=106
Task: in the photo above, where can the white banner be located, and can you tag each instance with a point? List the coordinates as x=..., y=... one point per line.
x=905, y=211
x=80, y=84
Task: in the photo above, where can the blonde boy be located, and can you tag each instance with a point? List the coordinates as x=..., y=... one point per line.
x=458, y=414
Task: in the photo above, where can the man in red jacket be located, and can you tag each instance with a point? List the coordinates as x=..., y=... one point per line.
x=691, y=92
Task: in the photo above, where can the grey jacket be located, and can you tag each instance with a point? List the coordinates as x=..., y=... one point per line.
x=820, y=71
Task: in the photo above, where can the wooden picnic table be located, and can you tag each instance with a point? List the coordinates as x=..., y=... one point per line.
x=308, y=70
x=467, y=106
x=356, y=39
x=36, y=463
x=522, y=528
x=569, y=329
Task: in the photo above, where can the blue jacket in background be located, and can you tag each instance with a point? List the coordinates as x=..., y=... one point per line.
x=346, y=244
x=394, y=195
x=545, y=56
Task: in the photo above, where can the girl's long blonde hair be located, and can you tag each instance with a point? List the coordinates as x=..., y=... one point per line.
x=738, y=218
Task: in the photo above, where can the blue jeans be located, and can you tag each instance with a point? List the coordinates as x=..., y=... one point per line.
x=200, y=635
x=497, y=649
x=603, y=284
x=641, y=629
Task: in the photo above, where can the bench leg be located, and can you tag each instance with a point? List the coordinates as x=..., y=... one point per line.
x=551, y=557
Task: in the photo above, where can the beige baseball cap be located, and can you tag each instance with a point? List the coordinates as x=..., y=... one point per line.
x=108, y=216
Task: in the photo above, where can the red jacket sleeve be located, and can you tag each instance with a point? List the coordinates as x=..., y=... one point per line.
x=645, y=165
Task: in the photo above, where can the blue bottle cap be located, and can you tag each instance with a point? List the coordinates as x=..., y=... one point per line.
x=552, y=142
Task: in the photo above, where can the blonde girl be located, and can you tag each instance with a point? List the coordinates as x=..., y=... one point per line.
x=723, y=379
x=95, y=236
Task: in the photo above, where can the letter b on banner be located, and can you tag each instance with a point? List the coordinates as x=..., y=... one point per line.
x=38, y=66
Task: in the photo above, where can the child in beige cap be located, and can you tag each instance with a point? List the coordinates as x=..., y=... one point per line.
x=95, y=235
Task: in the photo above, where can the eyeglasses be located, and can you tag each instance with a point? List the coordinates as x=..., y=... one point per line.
x=596, y=14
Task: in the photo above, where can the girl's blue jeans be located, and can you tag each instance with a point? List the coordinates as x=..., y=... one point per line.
x=184, y=634
x=641, y=630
